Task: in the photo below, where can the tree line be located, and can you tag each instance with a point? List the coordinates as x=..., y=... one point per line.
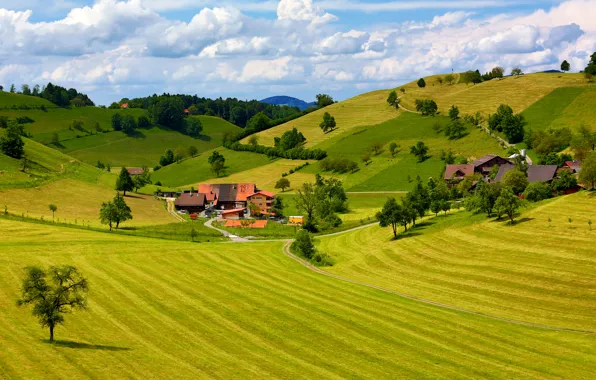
x=58, y=95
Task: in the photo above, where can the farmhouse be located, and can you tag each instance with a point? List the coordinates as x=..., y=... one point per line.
x=456, y=173
x=482, y=166
x=536, y=173
x=263, y=200
x=191, y=202
x=124, y=105
x=227, y=196
x=574, y=166
x=134, y=171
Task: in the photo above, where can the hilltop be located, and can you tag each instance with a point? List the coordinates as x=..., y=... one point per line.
x=288, y=101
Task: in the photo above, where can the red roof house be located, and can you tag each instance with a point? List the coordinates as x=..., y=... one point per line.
x=458, y=172
x=135, y=171
x=124, y=105
x=227, y=196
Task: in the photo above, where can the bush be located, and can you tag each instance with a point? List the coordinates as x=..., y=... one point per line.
x=338, y=165
x=291, y=154
x=303, y=245
x=537, y=191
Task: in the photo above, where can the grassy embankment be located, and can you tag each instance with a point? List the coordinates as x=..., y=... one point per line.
x=529, y=271
x=172, y=309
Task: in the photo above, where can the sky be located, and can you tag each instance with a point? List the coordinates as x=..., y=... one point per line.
x=253, y=49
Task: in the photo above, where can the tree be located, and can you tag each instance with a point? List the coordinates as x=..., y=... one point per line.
x=537, y=191
x=366, y=158
x=587, y=175
x=455, y=129
x=393, y=215
x=516, y=180
x=258, y=122
x=143, y=122
x=253, y=140
x=283, y=184
x=277, y=207
x=420, y=150
x=193, y=126
x=583, y=142
x=193, y=234
x=124, y=182
x=566, y=180
x=255, y=210
x=421, y=83
x=498, y=72
x=117, y=122
x=445, y=206
x=485, y=198
x=393, y=148
x=290, y=139
x=328, y=124
x=507, y=203
x=393, y=100
x=142, y=180
x=179, y=154
x=238, y=116
x=123, y=212
x=426, y=107
x=128, y=124
x=376, y=147
x=169, y=112
x=12, y=89
x=53, y=208
x=505, y=121
x=216, y=157
x=450, y=78
x=304, y=244
x=324, y=100
x=454, y=113
x=108, y=214
x=517, y=72
x=218, y=168
x=565, y=66
x=65, y=291
x=167, y=158
x=306, y=203
x=192, y=151
x=26, y=90
x=11, y=144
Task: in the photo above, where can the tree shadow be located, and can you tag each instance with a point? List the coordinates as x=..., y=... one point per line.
x=136, y=134
x=128, y=228
x=58, y=145
x=523, y=220
x=406, y=235
x=204, y=138
x=85, y=346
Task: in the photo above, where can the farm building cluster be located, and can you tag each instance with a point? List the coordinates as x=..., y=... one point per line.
x=483, y=167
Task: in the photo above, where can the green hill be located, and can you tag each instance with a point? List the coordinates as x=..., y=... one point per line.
x=8, y=101
x=172, y=309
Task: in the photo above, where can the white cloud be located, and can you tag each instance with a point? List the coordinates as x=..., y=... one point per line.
x=450, y=18
x=519, y=39
x=270, y=70
x=303, y=10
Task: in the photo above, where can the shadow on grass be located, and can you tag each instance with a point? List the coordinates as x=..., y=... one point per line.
x=406, y=235
x=133, y=196
x=136, y=134
x=204, y=138
x=85, y=346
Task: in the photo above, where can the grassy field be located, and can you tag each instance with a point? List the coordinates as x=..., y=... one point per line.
x=391, y=174
x=81, y=201
x=529, y=271
x=569, y=107
x=162, y=309
x=366, y=109
x=519, y=93
x=192, y=171
x=8, y=100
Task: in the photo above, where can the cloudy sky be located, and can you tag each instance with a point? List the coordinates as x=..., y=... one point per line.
x=252, y=49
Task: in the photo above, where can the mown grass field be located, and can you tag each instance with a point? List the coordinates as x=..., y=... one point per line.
x=162, y=309
x=519, y=93
x=528, y=271
x=366, y=109
x=385, y=173
x=80, y=201
x=567, y=107
x=194, y=170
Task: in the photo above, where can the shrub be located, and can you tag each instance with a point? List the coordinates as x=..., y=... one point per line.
x=338, y=165
x=537, y=191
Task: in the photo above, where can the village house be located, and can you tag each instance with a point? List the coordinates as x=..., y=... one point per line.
x=455, y=173
x=227, y=196
x=574, y=166
x=191, y=202
x=134, y=171
x=263, y=200
x=124, y=105
x=536, y=173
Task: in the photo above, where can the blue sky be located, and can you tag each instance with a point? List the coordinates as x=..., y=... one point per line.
x=254, y=49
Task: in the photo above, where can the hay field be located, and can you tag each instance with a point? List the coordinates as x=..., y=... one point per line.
x=161, y=309
x=528, y=271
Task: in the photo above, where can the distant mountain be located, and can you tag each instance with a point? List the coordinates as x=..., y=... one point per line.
x=288, y=101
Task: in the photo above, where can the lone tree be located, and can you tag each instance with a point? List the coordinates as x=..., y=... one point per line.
x=421, y=83
x=217, y=162
x=507, y=203
x=376, y=147
x=115, y=212
x=393, y=148
x=65, y=291
x=253, y=140
x=393, y=100
x=516, y=72
x=420, y=150
x=565, y=66
x=392, y=215
x=53, y=208
x=283, y=184
x=328, y=124
x=124, y=182
x=306, y=202
x=11, y=143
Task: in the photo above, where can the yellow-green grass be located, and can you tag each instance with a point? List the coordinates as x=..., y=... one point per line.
x=519, y=93
x=529, y=271
x=568, y=107
x=192, y=171
x=45, y=165
x=162, y=309
x=80, y=201
x=366, y=109
x=8, y=100
x=385, y=173
x=267, y=175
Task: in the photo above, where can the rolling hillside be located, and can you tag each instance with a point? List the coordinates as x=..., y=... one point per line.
x=160, y=309
x=8, y=101
x=530, y=272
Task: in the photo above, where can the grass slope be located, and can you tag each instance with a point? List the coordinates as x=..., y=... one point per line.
x=564, y=107
x=391, y=174
x=191, y=171
x=529, y=271
x=519, y=93
x=8, y=100
x=366, y=109
x=166, y=309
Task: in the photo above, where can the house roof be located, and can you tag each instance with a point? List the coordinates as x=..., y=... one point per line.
x=452, y=170
x=234, y=211
x=254, y=224
x=483, y=160
x=191, y=200
x=124, y=105
x=536, y=173
x=268, y=194
x=574, y=165
x=135, y=171
x=237, y=192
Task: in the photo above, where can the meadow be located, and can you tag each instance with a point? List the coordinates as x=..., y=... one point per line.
x=162, y=309
x=366, y=109
x=8, y=100
x=517, y=92
x=531, y=271
x=566, y=107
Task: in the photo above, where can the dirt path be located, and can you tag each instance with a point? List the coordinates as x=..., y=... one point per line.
x=286, y=251
x=172, y=210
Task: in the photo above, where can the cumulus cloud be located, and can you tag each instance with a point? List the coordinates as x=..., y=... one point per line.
x=270, y=70
x=303, y=10
x=519, y=39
